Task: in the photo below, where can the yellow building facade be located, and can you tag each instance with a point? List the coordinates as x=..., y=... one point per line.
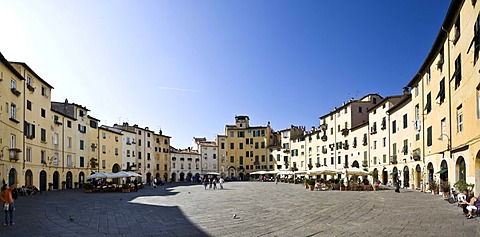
x=246, y=148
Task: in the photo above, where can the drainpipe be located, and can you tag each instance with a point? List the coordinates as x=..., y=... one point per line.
x=449, y=93
x=24, y=116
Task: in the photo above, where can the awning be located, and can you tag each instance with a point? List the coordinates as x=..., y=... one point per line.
x=442, y=171
x=393, y=173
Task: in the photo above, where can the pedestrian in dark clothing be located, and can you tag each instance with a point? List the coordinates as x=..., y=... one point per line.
x=397, y=185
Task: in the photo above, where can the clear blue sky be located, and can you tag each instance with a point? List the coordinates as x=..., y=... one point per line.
x=191, y=66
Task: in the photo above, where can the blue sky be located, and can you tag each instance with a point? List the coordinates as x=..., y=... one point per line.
x=190, y=66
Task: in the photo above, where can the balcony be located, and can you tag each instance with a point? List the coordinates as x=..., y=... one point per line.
x=393, y=160
x=15, y=91
x=30, y=88
x=365, y=163
x=317, y=165
x=13, y=153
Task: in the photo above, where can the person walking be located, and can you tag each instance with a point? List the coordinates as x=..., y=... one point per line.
x=214, y=183
x=8, y=205
x=205, y=182
x=397, y=185
x=221, y=181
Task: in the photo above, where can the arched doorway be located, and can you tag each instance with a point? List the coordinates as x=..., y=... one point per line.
x=231, y=172
x=56, y=178
x=477, y=173
x=12, y=177
x=460, y=169
x=28, y=178
x=116, y=168
x=384, y=176
x=165, y=176
x=182, y=177
x=406, y=177
x=174, y=177
x=418, y=176
x=149, y=178
x=355, y=164
x=43, y=180
x=69, y=180
x=81, y=179
x=394, y=175
x=430, y=171
x=189, y=177
x=242, y=176
x=443, y=171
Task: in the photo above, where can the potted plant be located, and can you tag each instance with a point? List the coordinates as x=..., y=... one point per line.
x=432, y=185
x=445, y=187
x=311, y=184
x=88, y=187
x=305, y=182
x=461, y=185
x=125, y=188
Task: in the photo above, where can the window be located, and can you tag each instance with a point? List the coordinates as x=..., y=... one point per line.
x=360, y=109
x=148, y=143
x=29, y=105
x=374, y=160
x=232, y=145
x=339, y=160
x=231, y=134
x=384, y=158
x=69, y=161
x=28, y=155
x=262, y=145
x=458, y=71
x=240, y=146
x=256, y=145
x=338, y=128
x=69, y=123
x=476, y=39
x=42, y=157
x=82, y=161
x=232, y=159
x=278, y=157
x=405, y=121
x=417, y=112
x=42, y=112
x=69, y=142
x=104, y=135
x=82, y=144
x=394, y=126
x=441, y=91
x=478, y=102
x=93, y=124
x=332, y=160
x=428, y=105
x=222, y=145
x=44, y=91
x=241, y=134
x=13, y=84
x=55, y=158
x=428, y=76
x=55, y=138
x=148, y=134
x=140, y=155
x=405, y=147
x=43, y=135
x=346, y=110
x=263, y=158
x=374, y=145
x=384, y=142
x=456, y=30
x=13, y=111
x=374, y=101
x=416, y=91
x=459, y=119
x=429, y=136
x=139, y=141
x=331, y=131
x=139, y=132
x=443, y=126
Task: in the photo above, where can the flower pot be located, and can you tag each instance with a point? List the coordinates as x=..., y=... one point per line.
x=312, y=187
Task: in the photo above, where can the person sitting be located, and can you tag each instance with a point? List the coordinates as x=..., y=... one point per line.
x=463, y=202
x=471, y=207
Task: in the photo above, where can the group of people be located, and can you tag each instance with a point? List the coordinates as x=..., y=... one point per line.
x=213, y=182
x=158, y=181
x=469, y=203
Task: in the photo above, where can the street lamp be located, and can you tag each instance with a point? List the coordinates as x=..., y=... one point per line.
x=441, y=138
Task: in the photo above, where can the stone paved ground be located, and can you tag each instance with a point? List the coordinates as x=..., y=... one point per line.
x=262, y=209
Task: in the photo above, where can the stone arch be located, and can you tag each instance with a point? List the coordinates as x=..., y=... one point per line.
x=355, y=164
x=384, y=176
x=28, y=178
x=12, y=176
x=418, y=175
x=430, y=171
x=43, y=180
x=443, y=170
x=460, y=169
x=69, y=180
x=406, y=177
x=56, y=179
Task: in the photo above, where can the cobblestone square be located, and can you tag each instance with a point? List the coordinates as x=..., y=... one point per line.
x=261, y=209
